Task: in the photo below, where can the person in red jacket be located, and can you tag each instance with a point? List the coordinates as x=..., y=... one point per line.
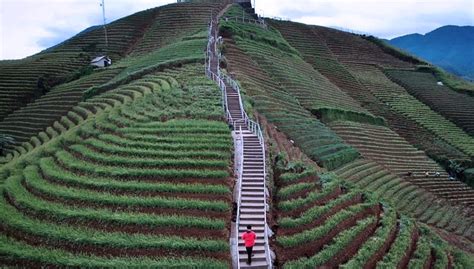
x=249, y=238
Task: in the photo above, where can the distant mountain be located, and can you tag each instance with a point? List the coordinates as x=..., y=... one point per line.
x=450, y=47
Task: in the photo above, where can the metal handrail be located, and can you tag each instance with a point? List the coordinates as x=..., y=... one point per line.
x=253, y=127
x=240, y=166
x=259, y=22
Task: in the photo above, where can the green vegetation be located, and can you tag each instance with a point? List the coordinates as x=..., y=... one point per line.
x=324, y=256
x=376, y=242
x=400, y=101
x=317, y=211
x=389, y=49
x=153, y=187
x=273, y=76
x=399, y=246
x=15, y=251
x=315, y=233
x=424, y=86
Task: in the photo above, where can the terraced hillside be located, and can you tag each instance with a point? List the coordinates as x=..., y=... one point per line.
x=28, y=121
x=456, y=107
x=131, y=166
x=25, y=80
x=317, y=141
x=385, y=147
x=403, y=103
x=190, y=18
x=325, y=223
x=413, y=198
x=359, y=51
x=315, y=92
x=154, y=174
x=315, y=50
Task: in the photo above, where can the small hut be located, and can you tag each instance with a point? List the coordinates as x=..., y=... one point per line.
x=101, y=61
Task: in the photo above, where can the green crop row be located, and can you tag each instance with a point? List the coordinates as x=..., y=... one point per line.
x=270, y=37
x=182, y=138
x=289, y=177
x=399, y=246
x=286, y=192
x=375, y=243
x=136, y=161
x=145, y=152
x=320, y=231
x=13, y=219
x=60, y=212
x=16, y=251
x=421, y=254
x=293, y=204
x=37, y=183
x=329, y=251
x=72, y=163
x=315, y=212
x=223, y=146
x=50, y=169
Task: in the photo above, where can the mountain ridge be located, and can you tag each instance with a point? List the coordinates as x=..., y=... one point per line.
x=450, y=47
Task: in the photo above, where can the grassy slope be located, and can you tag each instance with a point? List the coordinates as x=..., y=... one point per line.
x=55, y=170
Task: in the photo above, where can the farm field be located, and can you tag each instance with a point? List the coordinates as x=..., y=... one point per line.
x=137, y=181
x=134, y=165
x=455, y=106
x=189, y=18
x=408, y=197
x=315, y=50
x=28, y=121
x=399, y=100
x=314, y=91
x=323, y=222
x=312, y=136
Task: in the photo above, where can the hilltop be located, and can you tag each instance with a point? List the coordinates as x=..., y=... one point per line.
x=450, y=47
x=339, y=150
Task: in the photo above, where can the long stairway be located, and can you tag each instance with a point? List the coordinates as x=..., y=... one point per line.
x=252, y=200
x=252, y=209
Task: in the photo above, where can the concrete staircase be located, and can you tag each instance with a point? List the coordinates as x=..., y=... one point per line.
x=252, y=198
x=252, y=201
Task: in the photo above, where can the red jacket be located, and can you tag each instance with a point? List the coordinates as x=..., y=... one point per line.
x=249, y=238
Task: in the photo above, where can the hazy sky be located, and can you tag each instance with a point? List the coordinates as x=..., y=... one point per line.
x=29, y=26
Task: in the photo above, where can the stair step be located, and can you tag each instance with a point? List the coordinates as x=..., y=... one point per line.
x=254, y=265
x=252, y=194
x=258, y=242
x=252, y=205
x=256, y=249
x=252, y=222
x=252, y=211
x=257, y=216
x=253, y=190
x=256, y=257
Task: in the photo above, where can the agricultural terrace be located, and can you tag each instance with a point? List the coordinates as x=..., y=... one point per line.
x=324, y=222
x=127, y=70
x=284, y=111
x=24, y=80
x=144, y=184
x=455, y=106
x=316, y=52
x=385, y=147
x=399, y=100
x=190, y=18
x=20, y=80
x=284, y=64
x=409, y=198
x=351, y=48
x=28, y=121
